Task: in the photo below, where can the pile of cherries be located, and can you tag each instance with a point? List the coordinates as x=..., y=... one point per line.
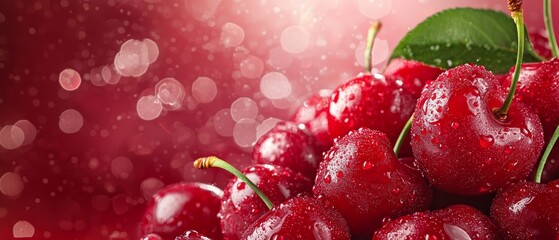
x=342, y=168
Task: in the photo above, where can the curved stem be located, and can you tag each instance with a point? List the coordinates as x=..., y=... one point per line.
x=212, y=161
x=549, y=27
x=402, y=136
x=538, y=177
x=373, y=30
x=519, y=20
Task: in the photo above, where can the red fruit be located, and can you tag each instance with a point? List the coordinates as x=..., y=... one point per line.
x=192, y=235
x=541, y=44
x=459, y=143
x=413, y=75
x=443, y=199
x=314, y=114
x=288, y=145
x=528, y=211
x=538, y=88
x=151, y=236
x=242, y=206
x=183, y=206
x=363, y=179
x=454, y=222
x=370, y=101
x=299, y=218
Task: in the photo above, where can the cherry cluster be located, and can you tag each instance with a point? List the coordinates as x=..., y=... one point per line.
x=343, y=168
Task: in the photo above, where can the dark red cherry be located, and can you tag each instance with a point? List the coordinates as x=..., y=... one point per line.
x=528, y=210
x=460, y=144
x=541, y=43
x=443, y=199
x=371, y=101
x=191, y=235
x=289, y=145
x=242, y=206
x=413, y=75
x=183, y=206
x=364, y=180
x=314, y=114
x=299, y=218
x=538, y=88
x=454, y=222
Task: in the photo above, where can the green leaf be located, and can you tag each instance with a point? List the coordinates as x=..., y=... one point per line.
x=465, y=35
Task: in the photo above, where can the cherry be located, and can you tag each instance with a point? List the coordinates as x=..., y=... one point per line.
x=242, y=204
x=370, y=100
x=459, y=142
x=540, y=43
x=191, y=235
x=313, y=113
x=182, y=206
x=151, y=236
x=362, y=178
x=301, y=217
x=454, y=222
x=443, y=199
x=538, y=88
x=413, y=75
x=528, y=210
x=289, y=145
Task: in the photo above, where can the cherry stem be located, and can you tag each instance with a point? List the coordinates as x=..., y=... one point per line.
x=373, y=30
x=213, y=161
x=402, y=136
x=518, y=18
x=549, y=27
x=538, y=177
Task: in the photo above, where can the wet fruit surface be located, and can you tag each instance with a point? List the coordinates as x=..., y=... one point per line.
x=180, y=207
x=241, y=205
x=413, y=75
x=528, y=211
x=314, y=114
x=299, y=218
x=362, y=178
x=459, y=143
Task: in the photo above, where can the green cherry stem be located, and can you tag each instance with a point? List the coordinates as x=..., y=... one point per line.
x=549, y=27
x=212, y=161
x=402, y=136
x=373, y=30
x=539, y=171
x=518, y=17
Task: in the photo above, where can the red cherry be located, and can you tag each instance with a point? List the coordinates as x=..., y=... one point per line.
x=151, y=236
x=182, y=206
x=371, y=101
x=538, y=88
x=313, y=113
x=364, y=180
x=454, y=222
x=443, y=199
x=541, y=43
x=242, y=206
x=460, y=144
x=528, y=211
x=299, y=218
x=288, y=145
x=413, y=75
x=191, y=235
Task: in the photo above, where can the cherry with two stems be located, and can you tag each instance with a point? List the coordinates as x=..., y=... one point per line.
x=468, y=136
x=300, y=217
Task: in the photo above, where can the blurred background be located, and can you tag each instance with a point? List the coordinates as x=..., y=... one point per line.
x=104, y=102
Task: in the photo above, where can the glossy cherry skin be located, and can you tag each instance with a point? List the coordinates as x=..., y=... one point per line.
x=461, y=146
x=241, y=205
x=289, y=145
x=182, y=206
x=413, y=75
x=191, y=235
x=151, y=236
x=370, y=101
x=363, y=179
x=541, y=43
x=454, y=222
x=528, y=210
x=538, y=88
x=301, y=217
x=314, y=114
